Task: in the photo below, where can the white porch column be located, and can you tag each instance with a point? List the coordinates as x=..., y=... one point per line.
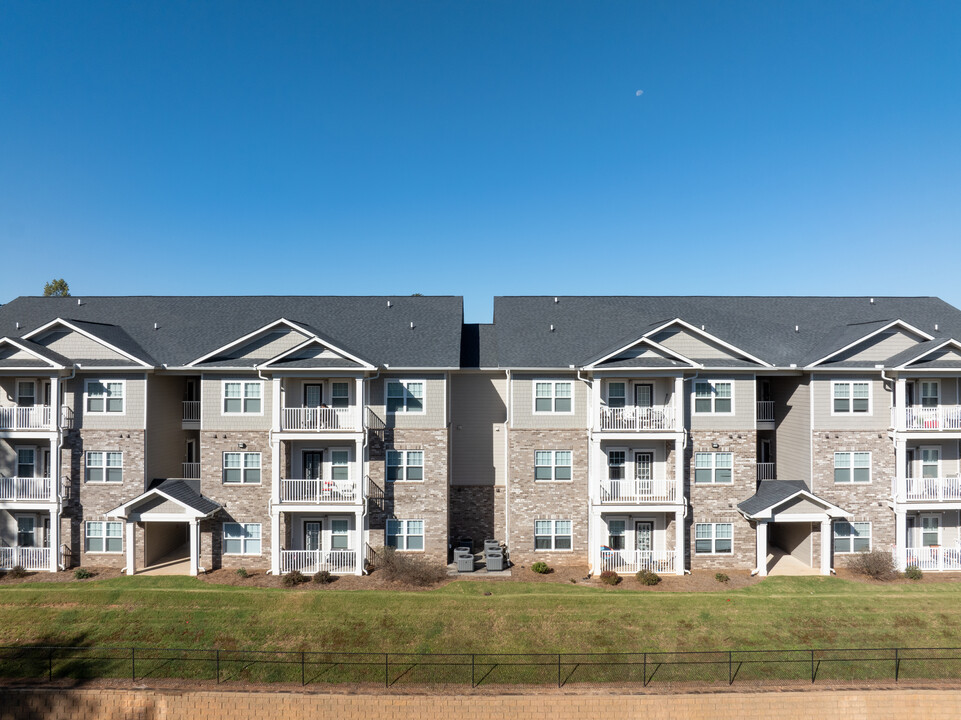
x=826, y=537
x=131, y=564
x=358, y=405
x=900, y=468
x=679, y=470
x=275, y=478
x=900, y=393
x=900, y=538
x=194, y=529
x=54, y=540
x=274, y=542
x=54, y=410
x=679, y=563
x=275, y=403
x=679, y=404
x=761, y=529
x=596, y=469
x=360, y=545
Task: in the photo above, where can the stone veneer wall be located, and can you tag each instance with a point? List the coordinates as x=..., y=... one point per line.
x=478, y=512
x=530, y=500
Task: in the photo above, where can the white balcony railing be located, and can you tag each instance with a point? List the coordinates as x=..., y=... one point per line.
x=191, y=411
x=928, y=489
x=638, y=491
x=25, y=418
x=319, y=419
x=319, y=491
x=13, y=489
x=916, y=417
x=191, y=471
x=929, y=559
x=766, y=471
x=765, y=411
x=313, y=561
x=637, y=419
x=29, y=558
x=625, y=562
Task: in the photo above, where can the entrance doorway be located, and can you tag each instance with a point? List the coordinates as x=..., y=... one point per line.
x=166, y=548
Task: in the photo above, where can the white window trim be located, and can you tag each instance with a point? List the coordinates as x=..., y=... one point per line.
x=920, y=528
x=714, y=539
x=405, y=535
x=851, y=467
x=851, y=523
x=103, y=467
x=554, y=535
x=103, y=381
x=36, y=395
x=851, y=383
x=920, y=397
x=329, y=461
x=16, y=459
x=243, y=540
x=712, y=382
x=553, y=383
x=714, y=468
x=553, y=466
x=243, y=383
x=919, y=459
x=243, y=467
x=104, y=538
x=607, y=462
x=607, y=527
x=350, y=391
x=405, y=464
x=607, y=391
x=403, y=383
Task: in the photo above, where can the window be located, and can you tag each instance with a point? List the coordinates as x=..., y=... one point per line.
x=553, y=396
x=615, y=464
x=615, y=534
x=405, y=465
x=851, y=537
x=405, y=396
x=104, y=467
x=339, y=465
x=552, y=535
x=930, y=530
x=26, y=462
x=26, y=531
x=713, y=538
x=26, y=393
x=339, y=394
x=930, y=393
x=103, y=537
x=552, y=465
x=405, y=534
x=105, y=396
x=241, y=468
x=339, y=534
x=930, y=462
x=851, y=397
x=241, y=538
x=713, y=468
x=243, y=398
x=852, y=467
x=713, y=397
x=615, y=394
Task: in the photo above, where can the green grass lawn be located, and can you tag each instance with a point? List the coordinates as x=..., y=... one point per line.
x=779, y=613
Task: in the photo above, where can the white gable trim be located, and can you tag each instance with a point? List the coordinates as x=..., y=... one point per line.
x=707, y=336
x=646, y=341
x=893, y=323
x=832, y=511
x=88, y=335
x=950, y=341
x=124, y=510
x=314, y=340
x=10, y=341
x=250, y=336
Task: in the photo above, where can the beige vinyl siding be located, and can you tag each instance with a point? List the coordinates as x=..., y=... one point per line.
x=165, y=440
x=658, y=448
x=8, y=456
x=799, y=506
x=8, y=388
x=948, y=355
x=879, y=348
x=663, y=388
x=12, y=353
x=212, y=402
x=74, y=345
x=950, y=464
x=294, y=389
x=879, y=418
x=132, y=417
x=744, y=407
x=522, y=405
x=435, y=400
x=267, y=346
x=949, y=389
x=691, y=346
x=478, y=436
x=792, y=439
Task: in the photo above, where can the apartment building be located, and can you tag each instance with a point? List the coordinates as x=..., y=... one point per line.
x=621, y=433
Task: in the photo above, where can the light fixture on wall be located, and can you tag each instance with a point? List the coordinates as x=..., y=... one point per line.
x=241, y=445
x=715, y=445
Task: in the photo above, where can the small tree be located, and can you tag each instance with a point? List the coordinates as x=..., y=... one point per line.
x=56, y=288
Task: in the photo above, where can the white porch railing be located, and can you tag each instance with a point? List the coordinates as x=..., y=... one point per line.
x=191, y=411
x=313, y=561
x=916, y=417
x=191, y=471
x=637, y=491
x=319, y=419
x=929, y=559
x=25, y=418
x=637, y=419
x=13, y=489
x=766, y=471
x=765, y=411
x=625, y=562
x=928, y=489
x=29, y=558
x=318, y=491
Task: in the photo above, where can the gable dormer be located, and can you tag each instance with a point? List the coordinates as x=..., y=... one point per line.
x=89, y=344
x=316, y=354
x=257, y=346
x=877, y=346
x=702, y=347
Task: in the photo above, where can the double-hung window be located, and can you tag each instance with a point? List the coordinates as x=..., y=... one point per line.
x=713, y=468
x=615, y=464
x=26, y=393
x=104, y=467
x=339, y=394
x=405, y=534
x=615, y=534
x=339, y=534
x=340, y=465
x=405, y=396
x=553, y=396
x=26, y=462
x=103, y=537
x=713, y=538
x=552, y=465
x=243, y=398
x=241, y=538
x=241, y=468
x=851, y=537
x=552, y=535
x=850, y=397
x=713, y=397
x=405, y=465
x=852, y=467
x=616, y=394
x=105, y=396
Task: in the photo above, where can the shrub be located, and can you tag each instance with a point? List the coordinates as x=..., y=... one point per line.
x=541, y=568
x=876, y=564
x=294, y=578
x=323, y=577
x=913, y=572
x=411, y=569
x=82, y=574
x=721, y=577
x=609, y=577
x=242, y=572
x=646, y=577
x=18, y=571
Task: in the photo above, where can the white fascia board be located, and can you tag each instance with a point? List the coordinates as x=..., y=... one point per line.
x=647, y=341
x=396, y=369
x=950, y=341
x=829, y=509
x=898, y=322
x=89, y=336
x=33, y=353
x=314, y=340
x=123, y=510
x=249, y=336
x=707, y=335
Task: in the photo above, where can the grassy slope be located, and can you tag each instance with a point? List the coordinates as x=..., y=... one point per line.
x=516, y=617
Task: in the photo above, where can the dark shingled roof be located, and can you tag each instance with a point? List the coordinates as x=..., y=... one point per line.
x=184, y=492
x=771, y=492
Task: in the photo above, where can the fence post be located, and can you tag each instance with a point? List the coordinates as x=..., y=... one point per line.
x=558, y=669
x=472, y=671
x=386, y=672
x=218, y=666
x=812, y=667
x=730, y=667
x=645, y=669
x=897, y=665
x=133, y=664
x=303, y=668
x=50, y=665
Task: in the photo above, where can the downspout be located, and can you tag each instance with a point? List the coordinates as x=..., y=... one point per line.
x=684, y=438
x=366, y=442
x=59, y=408
x=270, y=444
x=591, y=530
x=507, y=461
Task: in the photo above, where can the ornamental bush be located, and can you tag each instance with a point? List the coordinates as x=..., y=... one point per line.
x=876, y=564
x=609, y=577
x=646, y=577
x=541, y=568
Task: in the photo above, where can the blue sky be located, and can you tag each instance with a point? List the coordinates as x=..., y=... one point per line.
x=481, y=148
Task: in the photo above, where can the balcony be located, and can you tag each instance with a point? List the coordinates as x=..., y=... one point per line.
x=190, y=471
x=29, y=558
x=637, y=419
x=309, y=562
x=929, y=559
x=21, y=489
x=191, y=414
x=928, y=489
x=927, y=419
x=765, y=414
x=37, y=417
x=631, y=492
x=320, y=419
x=766, y=471
x=625, y=562
x=319, y=491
